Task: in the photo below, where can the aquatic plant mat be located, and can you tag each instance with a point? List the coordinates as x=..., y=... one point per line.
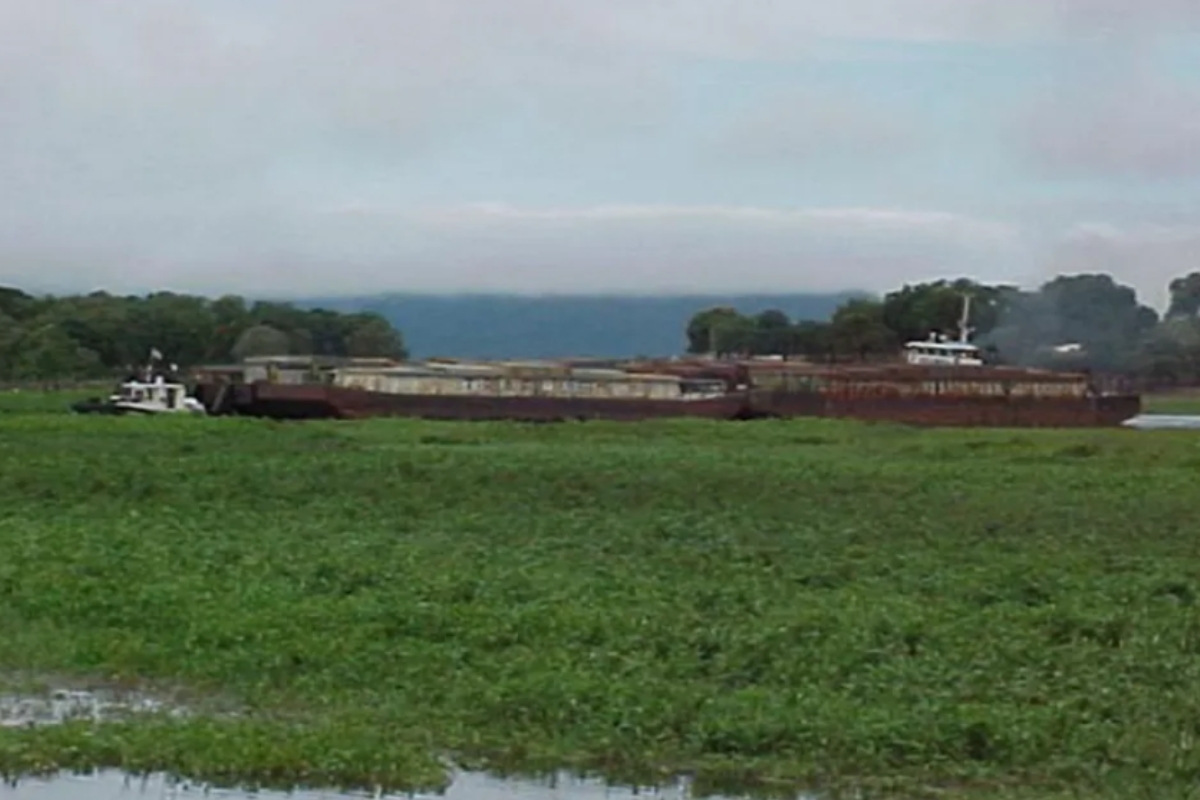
x=770, y=606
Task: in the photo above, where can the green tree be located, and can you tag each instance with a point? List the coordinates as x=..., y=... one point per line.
x=703, y=330
x=15, y=304
x=1171, y=354
x=916, y=310
x=372, y=336
x=261, y=340
x=1090, y=310
x=101, y=323
x=1185, y=296
x=327, y=332
x=735, y=336
x=858, y=329
x=46, y=353
x=813, y=340
x=10, y=335
x=109, y=334
x=230, y=318
x=772, y=333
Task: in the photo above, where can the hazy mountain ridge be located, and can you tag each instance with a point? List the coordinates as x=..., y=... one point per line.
x=556, y=326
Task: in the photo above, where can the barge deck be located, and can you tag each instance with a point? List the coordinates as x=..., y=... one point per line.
x=976, y=396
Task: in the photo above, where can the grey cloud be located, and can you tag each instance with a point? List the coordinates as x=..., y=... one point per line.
x=146, y=96
x=1137, y=126
x=786, y=29
x=499, y=248
x=802, y=125
x=148, y=143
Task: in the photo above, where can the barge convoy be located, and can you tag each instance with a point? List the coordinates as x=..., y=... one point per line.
x=937, y=382
x=918, y=394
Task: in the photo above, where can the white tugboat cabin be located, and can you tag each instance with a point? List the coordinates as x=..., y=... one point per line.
x=939, y=350
x=155, y=396
x=151, y=392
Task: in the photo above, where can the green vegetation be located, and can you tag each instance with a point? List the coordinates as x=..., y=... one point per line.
x=1113, y=332
x=48, y=401
x=775, y=604
x=1178, y=402
x=48, y=339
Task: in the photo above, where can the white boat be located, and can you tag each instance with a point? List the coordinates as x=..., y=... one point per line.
x=939, y=350
x=151, y=393
x=157, y=396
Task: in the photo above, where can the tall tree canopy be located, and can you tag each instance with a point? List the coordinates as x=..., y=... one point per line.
x=1185, y=296
x=916, y=310
x=1093, y=312
x=99, y=334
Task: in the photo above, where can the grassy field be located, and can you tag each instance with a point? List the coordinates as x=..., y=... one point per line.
x=774, y=605
x=1180, y=402
x=29, y=401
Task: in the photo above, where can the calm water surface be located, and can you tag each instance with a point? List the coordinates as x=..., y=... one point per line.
x=466, y=786
x=1164, y=421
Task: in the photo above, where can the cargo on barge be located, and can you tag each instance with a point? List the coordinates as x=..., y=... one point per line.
x=937, y=381
x=532, y=392
x=968, y=396
x=907, y=393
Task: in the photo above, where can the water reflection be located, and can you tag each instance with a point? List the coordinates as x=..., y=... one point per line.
x=466, y=786
x=61, y=705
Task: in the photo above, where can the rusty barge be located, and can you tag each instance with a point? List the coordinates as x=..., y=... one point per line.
x=967, y=396
x=522, y=391
x=917, y=393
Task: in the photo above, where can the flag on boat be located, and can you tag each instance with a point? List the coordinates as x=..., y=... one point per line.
x=155, y=354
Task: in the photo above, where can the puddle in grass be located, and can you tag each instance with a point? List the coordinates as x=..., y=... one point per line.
x=466, y=786
x=64, y=705
x=61, y=705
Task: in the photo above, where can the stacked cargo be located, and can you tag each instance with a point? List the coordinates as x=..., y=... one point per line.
x=544, y=391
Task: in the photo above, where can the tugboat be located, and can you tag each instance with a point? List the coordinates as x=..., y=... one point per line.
x=939, y=350
x=153, y=391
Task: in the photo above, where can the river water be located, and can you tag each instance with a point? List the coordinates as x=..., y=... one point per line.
x=99, y=705
x=1163, y=422
x=466, y=786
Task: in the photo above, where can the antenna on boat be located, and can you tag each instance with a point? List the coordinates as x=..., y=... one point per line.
x=964, y=324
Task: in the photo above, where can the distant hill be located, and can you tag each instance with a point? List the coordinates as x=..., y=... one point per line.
x=516, y=326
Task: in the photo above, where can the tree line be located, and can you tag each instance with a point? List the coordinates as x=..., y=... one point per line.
x=100, y=335
x=1086, y=321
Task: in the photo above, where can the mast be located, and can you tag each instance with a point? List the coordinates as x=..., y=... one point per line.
x=964, y=324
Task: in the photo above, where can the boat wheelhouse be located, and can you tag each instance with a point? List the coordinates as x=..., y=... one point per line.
x=935, y=352
x=156, y=396
x=940, y=350
x=152, y=392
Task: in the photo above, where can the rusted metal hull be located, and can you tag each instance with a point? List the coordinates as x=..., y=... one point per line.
x=316, y=401
x=955, y=411
x=958, y=397
x=987, y=396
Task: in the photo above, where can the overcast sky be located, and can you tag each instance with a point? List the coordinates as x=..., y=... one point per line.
x=317, y=146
